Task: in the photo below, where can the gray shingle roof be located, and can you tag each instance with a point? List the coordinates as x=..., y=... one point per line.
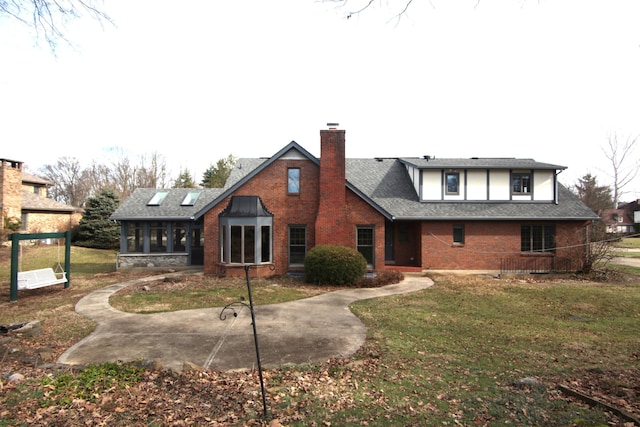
x=384, y=184
x=136, y=207
x=479, y=163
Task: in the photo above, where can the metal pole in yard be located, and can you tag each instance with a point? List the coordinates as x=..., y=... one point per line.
x=255, y=339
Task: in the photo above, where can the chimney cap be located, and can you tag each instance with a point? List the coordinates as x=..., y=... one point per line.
x=332, y=125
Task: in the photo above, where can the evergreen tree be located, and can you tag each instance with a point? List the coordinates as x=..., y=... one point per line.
x=184, y=180
x=216, y=176
x=95, y=230
x=597, y=197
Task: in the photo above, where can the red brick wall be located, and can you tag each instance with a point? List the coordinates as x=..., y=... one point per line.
x=487, y=242
x=299, y=209
x=271, y=185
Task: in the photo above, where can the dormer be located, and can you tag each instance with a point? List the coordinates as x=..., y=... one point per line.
x=483, y=179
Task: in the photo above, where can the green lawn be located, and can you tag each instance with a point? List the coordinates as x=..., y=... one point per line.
x=449, y=355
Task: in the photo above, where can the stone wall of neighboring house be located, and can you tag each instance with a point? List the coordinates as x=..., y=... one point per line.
x=151, y=260
x=48, y=222
x=10, y=189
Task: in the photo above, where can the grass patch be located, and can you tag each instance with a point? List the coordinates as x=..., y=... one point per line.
x=455, y=353
x=198, y=291
x=628, y=242
x=89, y=384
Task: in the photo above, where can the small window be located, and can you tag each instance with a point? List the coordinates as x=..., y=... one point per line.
x=297, y=245
x=157, y=198
x=521, y=183
x=365, y=243
x=458, y=234
x=293, y=180
x=452, y=182
x=190, y=199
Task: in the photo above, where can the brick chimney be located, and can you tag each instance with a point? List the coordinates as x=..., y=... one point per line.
x=331, y=222
x=10, y=190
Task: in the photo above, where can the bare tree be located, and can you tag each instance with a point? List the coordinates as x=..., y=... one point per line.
x=360, y=6
x=122, y=177
x=149, y=172
x=68, y=180
x=623, y=164
x=152, y=172
x=48, y=18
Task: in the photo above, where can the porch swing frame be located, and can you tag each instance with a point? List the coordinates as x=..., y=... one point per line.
x=15, y=244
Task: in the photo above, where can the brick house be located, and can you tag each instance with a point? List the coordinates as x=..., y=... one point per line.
x=622, y=220
x=410, y=214
x=24, y=196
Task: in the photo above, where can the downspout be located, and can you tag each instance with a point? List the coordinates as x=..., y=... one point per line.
x=555, y=186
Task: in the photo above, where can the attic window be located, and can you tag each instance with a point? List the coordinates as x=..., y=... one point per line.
x=190, y=199
x=157, y=198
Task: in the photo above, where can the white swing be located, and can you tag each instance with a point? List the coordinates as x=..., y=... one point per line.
x=34, y=279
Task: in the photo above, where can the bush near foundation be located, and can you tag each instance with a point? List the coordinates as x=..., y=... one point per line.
x=334, y=265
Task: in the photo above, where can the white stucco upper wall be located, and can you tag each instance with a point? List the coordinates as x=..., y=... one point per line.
x=483, y=185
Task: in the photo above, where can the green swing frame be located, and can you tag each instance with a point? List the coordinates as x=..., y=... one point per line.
x=15, y=244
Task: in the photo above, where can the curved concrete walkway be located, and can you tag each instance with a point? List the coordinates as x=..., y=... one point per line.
x=309, y=330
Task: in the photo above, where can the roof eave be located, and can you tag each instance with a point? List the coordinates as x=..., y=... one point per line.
x=369, y=201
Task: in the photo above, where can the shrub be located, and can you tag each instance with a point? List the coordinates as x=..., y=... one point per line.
x=381, y=278
x=334, y=265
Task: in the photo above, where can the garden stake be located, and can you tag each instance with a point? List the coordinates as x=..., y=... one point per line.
x=255, y=333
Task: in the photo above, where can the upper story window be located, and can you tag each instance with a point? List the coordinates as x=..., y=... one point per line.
x=452, y=183
x=521, y=183
x=157, y=198
x=293, y=180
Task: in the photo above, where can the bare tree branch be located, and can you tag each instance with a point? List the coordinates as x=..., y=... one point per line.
x=49, y=18
x=369, y=4
x=619, y=155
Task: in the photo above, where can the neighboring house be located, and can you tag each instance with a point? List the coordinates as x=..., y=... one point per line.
x=621, y=220
x=24, y=196
x=409, y=214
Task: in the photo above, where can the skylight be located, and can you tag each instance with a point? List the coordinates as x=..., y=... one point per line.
x=157, y=198
x=190, y=198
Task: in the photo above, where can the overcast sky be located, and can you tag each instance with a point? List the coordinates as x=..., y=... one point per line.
x=198, y=80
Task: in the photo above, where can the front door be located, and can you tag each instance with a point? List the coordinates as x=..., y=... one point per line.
x=389, y=256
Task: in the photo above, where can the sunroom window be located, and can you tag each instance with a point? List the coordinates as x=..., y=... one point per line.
x=246, y=235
